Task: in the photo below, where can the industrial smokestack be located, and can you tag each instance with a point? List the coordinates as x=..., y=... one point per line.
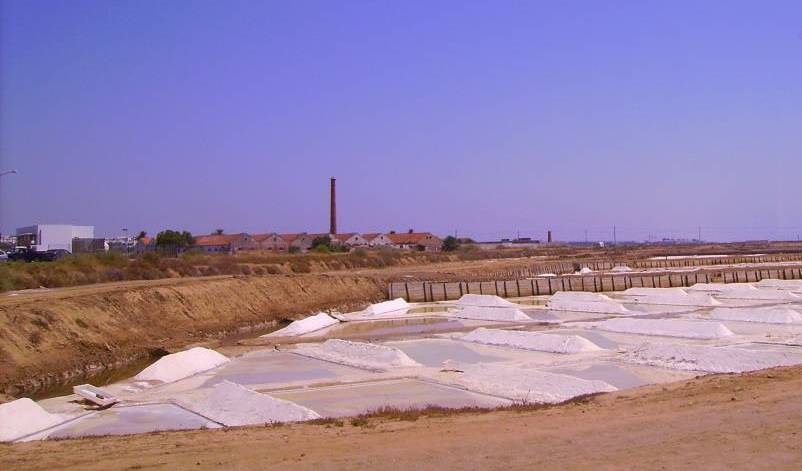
x=333, y=214
x=549, y=236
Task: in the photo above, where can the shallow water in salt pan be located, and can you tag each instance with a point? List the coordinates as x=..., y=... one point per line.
x=133, y=419
x=354, y=399
x=433, y=352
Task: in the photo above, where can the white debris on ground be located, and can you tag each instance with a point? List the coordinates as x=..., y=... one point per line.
x=552, y=343
x=502, y=314
x=743, y=291
x=709, y=359
x=766, y=315
x=547, y=275
x=180, y=365
x=304, y=326
x=669, y=296
x=524, y=384
x=790, y=285
x=483, y=300
x=24, y=417
x=582, y=301
x=357, y=354
x=232, y=404
x=689, y=329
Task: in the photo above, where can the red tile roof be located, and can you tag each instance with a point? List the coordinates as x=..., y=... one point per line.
x=344, y=237
x=409, y=238
x=370, y=236
x=216, y=239
x=262, y=237
x=291, y=237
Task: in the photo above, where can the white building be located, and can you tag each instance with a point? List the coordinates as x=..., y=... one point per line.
x=43, y=237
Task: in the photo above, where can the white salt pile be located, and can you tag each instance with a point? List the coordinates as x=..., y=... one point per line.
x=766, y=315
x=357, y=354
x=180, y=365
x=790, y=285
x=483, y=300
x=582, y=301
x=669, y=296
x=744, y=291
x=385, y=307
x=502, y=314
x=304, y=326
x=24, y=417
x=688, y=329
x=585, y=271
x=621, y=269
x=232, y=404
x=709, y=359
x=526, y=385
x=552, y=343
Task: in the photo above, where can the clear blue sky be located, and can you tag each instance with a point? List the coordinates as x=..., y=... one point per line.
x=487, y=117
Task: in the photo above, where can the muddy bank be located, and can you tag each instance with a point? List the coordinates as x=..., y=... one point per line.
x=48, y=338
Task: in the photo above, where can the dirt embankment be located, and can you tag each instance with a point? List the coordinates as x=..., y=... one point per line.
x=47, y=337
x=724, y=422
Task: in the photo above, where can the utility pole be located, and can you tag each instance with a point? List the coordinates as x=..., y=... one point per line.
x=615, y=238
x=2, y=174
x=699, y=234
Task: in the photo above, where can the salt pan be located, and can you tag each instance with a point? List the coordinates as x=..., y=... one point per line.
x=790, y=285
x=582, y=301
x=710, y=359
x=180, y=365
x=305, y=326
x=503, y=314
x=553, y=343
x=357, y=354
x=483, y=300
x=24, y=417
x=232, y=404
x=669, y=296
x=743, y=291
x=527, y=385
x=666, y=327
x=770, y=315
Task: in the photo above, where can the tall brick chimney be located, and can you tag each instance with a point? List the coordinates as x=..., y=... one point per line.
x=333, y=214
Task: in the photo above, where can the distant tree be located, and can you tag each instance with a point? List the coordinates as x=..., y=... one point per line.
x=321, y=241
x=142, y=235
x=175, y=241
x=218, y=231
x=450, y=244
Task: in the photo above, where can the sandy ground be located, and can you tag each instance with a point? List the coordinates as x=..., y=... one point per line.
x=751, y=421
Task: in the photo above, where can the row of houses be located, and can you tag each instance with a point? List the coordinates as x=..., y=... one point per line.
x=273, y=242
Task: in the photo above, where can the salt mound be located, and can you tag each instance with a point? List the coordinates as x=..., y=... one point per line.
x=232, y=404
x=552, y=343
x=643, y=291
x=24, y=417
x=180, y=365
x=505, y=314
x=358, y=354
x=483, y=300
x=744, y=291
x=305, y=326
x=666, y=327
x=582, y=301
x=770, y=315
x=385, y=307
x=790, y=285
x=621, y=269
x=527, y=385
x=585, y=271
x=710, y=359
x=669, y=296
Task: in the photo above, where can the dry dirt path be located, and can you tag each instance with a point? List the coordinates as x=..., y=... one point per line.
x=751, y=421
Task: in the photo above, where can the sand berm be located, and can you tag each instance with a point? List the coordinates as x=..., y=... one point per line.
x=49, y=336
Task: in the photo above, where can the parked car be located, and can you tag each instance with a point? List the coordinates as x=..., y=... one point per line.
x=22, y=254
x=52, y=255
x=3, y=256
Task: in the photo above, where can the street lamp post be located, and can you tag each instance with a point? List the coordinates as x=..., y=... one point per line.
x=2, y=174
